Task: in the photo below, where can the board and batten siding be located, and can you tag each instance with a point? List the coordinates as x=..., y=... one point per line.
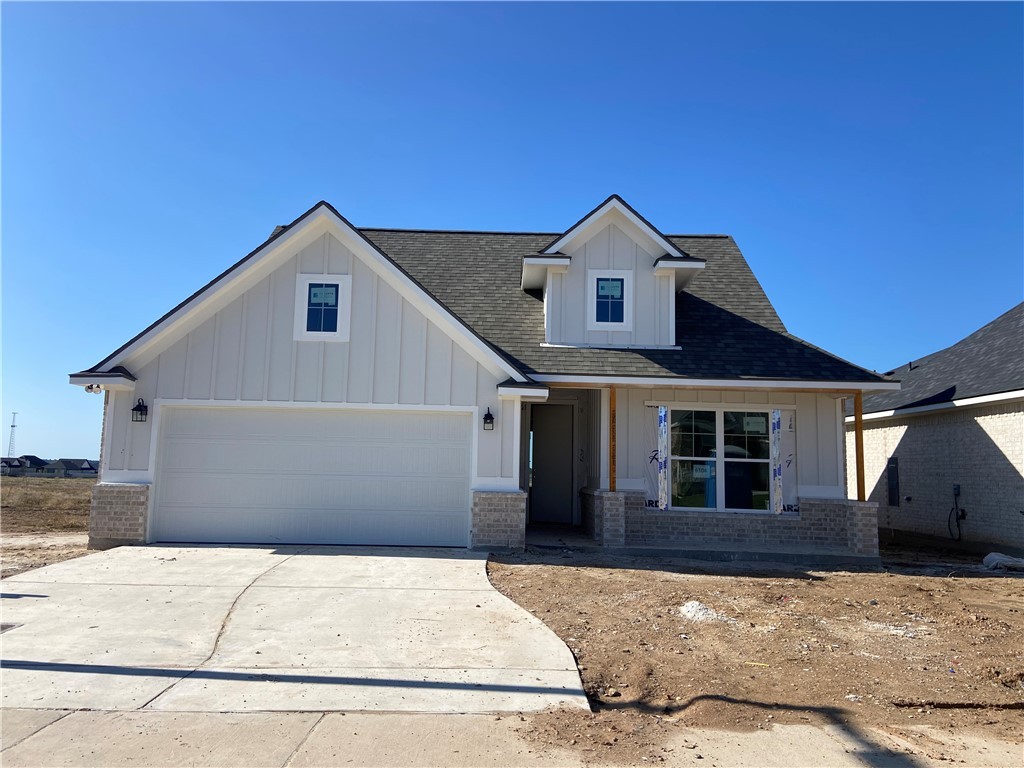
x=819, y=432
x=246, y=353
x=566, y=294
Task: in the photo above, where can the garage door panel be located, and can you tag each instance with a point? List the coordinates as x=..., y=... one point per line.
x=253, y=475
x=223, y=455
x=313, y=491
x=300, y=526
x=278, y=424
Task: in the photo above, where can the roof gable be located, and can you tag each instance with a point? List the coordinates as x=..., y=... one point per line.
x=257, y=264
x=617, y=211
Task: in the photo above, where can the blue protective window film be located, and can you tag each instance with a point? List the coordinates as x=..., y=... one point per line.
x=322, y=307
x=611, y=300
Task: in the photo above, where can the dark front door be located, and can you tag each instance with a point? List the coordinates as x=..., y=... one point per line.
x=551, y=496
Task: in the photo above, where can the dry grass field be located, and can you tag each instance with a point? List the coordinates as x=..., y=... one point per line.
x=44, y=505
x=42, y=521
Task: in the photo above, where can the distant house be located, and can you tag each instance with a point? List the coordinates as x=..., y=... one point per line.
x=10, y=466
x=944, y=456
x=72, y=468
x=32, y=464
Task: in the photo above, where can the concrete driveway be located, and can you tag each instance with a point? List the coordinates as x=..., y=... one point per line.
x=285, y=629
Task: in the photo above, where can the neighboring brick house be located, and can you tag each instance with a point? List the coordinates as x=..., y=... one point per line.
x=958, y=422
x=448, y=388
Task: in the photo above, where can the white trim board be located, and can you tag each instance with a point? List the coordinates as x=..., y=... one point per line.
x=1002, y=397
x=648, y=382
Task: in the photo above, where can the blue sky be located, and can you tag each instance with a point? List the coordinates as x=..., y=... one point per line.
x=867, y=157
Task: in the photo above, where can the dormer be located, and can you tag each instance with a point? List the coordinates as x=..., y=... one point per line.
x=610, y=281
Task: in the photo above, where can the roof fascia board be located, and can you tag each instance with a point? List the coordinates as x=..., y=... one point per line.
x=1001, y=397
x=653, y=381
x=261, y=262
x=614, y=203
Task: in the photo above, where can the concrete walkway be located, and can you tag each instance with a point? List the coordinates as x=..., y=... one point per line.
x=294, y=739
x=287, y=629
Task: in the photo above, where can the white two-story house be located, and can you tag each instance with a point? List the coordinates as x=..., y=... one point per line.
x=375, y=386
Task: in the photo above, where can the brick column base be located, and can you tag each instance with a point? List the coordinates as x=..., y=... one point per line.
x=118, y=515
x=605, y=514
x=499, y=521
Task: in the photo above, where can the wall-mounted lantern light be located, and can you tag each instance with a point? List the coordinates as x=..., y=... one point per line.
x=140, y=411
x=488, y=420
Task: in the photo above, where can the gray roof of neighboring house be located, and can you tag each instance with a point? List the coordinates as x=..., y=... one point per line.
x=725, y=324
x=73, y=464
x=30, y=460
x=989, y=361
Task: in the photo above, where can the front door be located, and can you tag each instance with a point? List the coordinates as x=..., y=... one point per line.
x=551, y=439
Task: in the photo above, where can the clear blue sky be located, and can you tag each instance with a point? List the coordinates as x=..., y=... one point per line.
x=867, y=157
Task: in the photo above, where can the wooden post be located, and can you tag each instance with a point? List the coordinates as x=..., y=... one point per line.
x=858, y=434
x=611, y=440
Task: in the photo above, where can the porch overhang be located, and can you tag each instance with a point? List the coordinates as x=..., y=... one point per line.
x=528, y=392
x=116, y=379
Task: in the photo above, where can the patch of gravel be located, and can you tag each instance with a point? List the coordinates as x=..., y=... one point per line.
x=696, y=611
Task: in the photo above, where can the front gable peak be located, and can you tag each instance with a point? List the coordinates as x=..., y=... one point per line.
x=617, y=211
x=668, y=258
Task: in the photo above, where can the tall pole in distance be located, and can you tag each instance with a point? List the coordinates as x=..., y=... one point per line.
x=10, y=444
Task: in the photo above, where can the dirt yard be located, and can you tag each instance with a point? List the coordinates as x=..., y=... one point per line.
x=922, y=652
x=42, y=521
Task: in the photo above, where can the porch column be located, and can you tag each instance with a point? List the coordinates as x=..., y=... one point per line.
x=611, y=440
x=858, y=434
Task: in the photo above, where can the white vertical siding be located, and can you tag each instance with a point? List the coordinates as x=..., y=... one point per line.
x=247, y=352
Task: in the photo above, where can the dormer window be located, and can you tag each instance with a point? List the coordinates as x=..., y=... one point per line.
x=609, y=300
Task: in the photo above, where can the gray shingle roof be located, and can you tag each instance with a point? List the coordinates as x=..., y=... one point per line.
x=989, y=361
x=725, y=324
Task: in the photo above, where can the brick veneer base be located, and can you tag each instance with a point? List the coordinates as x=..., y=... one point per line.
x=823, y=526
x=118, y=515
x=499, y=520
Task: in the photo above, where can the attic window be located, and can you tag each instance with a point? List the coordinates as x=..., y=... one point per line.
x=323, y=307
x=609, y=300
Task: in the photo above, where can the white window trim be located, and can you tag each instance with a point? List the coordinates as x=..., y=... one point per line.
x=719, y=410
x=593, y=275
x=302, y=283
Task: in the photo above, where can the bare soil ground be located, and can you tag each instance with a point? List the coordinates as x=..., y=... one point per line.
x=935, y=643
x=42, y=521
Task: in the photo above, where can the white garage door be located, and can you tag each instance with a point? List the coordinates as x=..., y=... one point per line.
x=260, y=475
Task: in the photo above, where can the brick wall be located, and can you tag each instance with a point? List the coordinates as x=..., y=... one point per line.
x=118, y=515
x=499, y=520
x=823, y=526
x=980, y=448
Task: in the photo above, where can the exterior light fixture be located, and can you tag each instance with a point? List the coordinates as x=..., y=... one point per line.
x=488, y=420
x=140, y=412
